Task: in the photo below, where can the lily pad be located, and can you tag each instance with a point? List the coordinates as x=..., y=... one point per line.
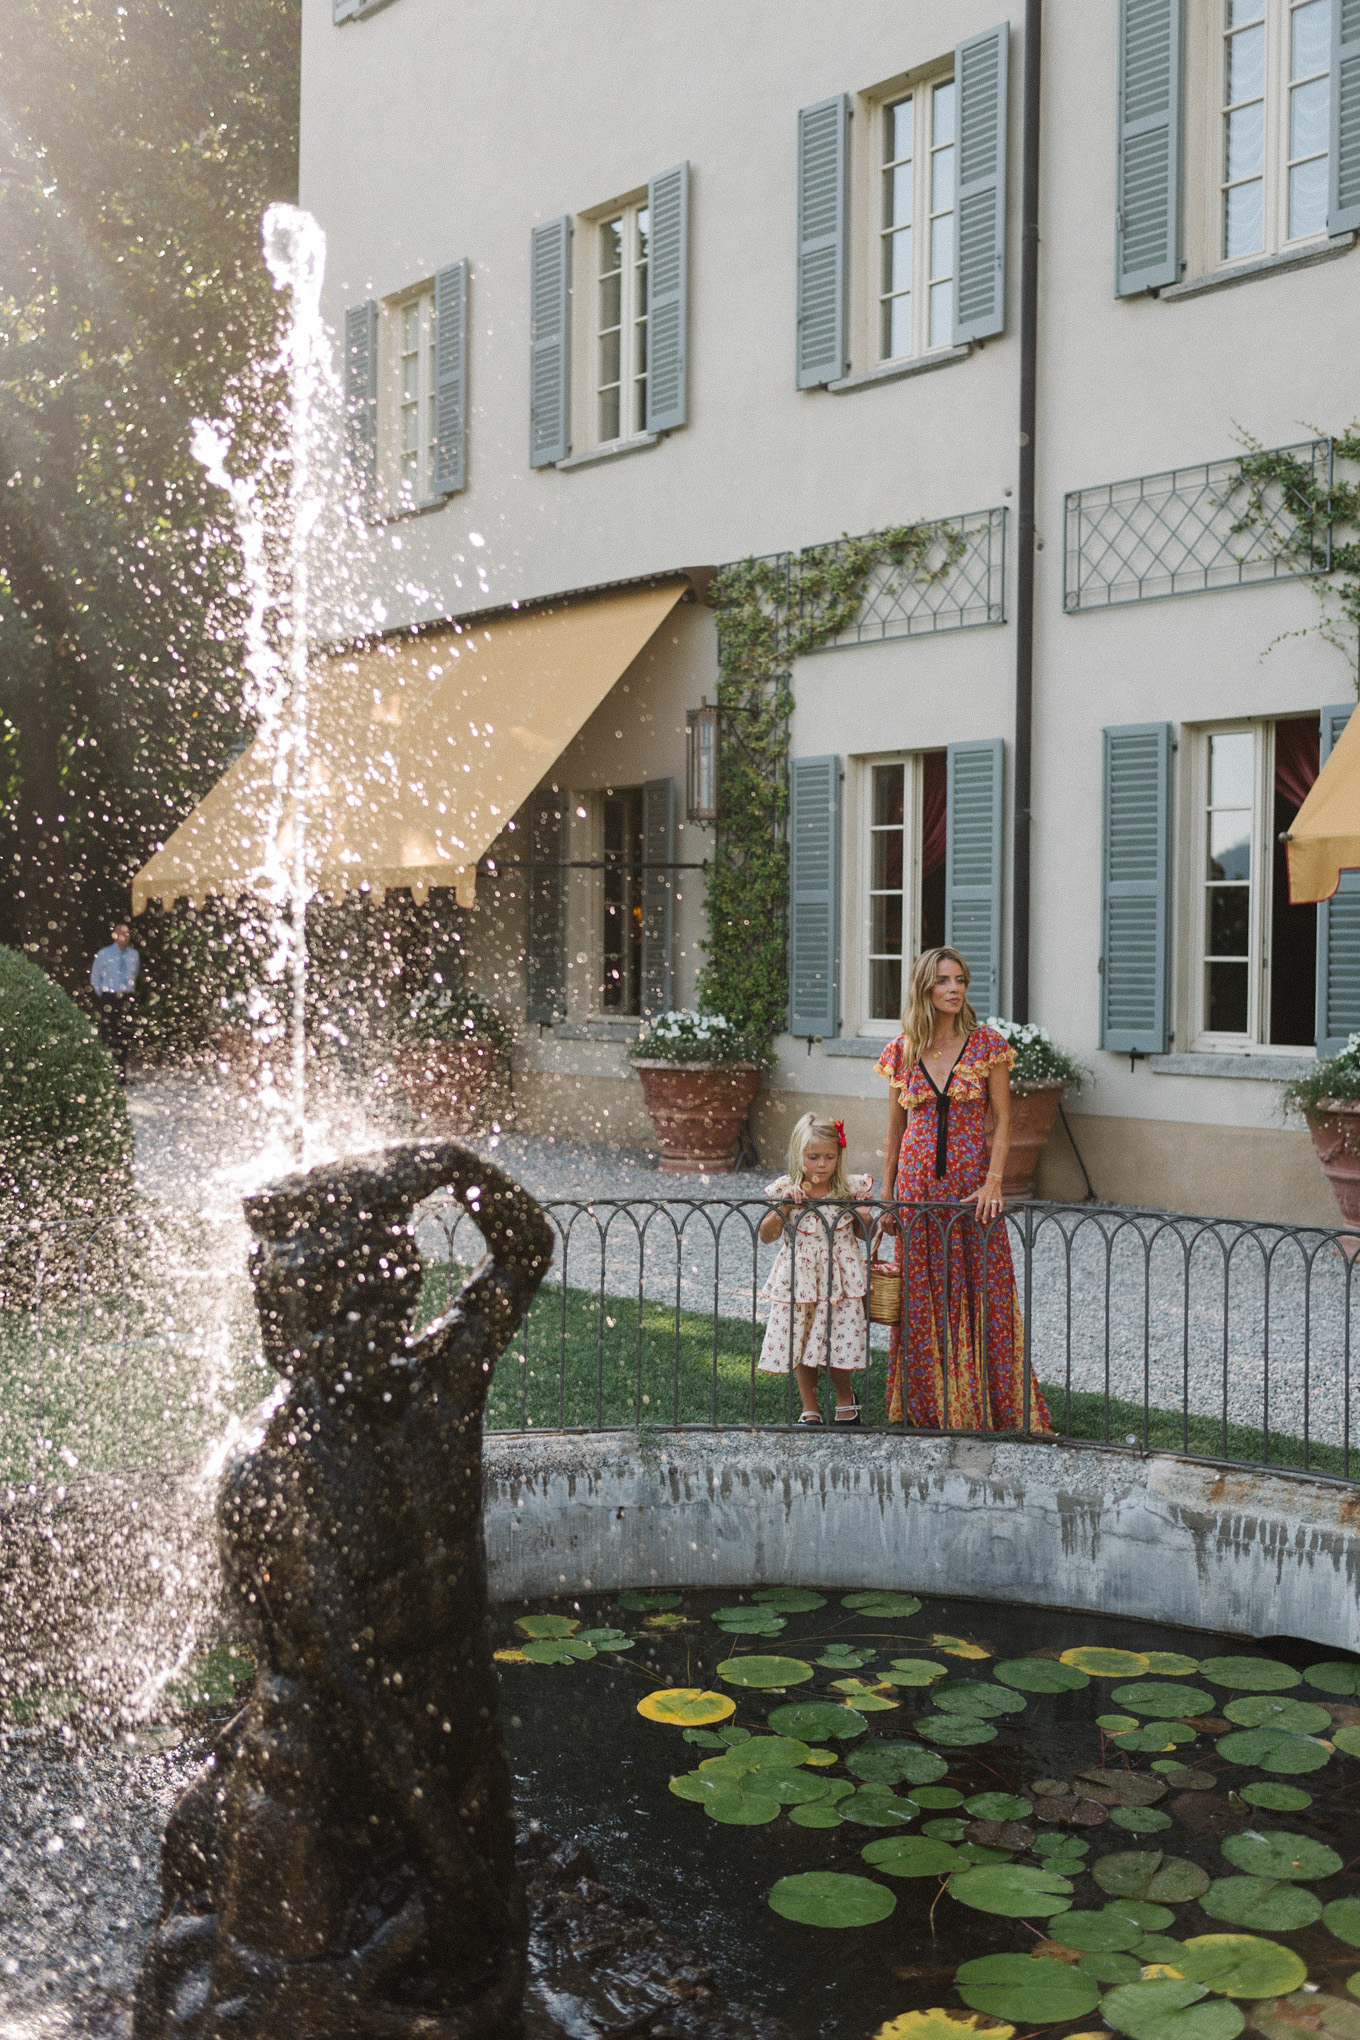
x=749, y=1621
x=1271, y=1710
x=998, y=1806
x=643, y=1604
x=818, y=1721
x=765, y=1672
x=1273, y=1749
x=704, y=1739
x=1161, y=1700
x=955, y=1731
x=1041, y=1675
x=877, y=1806
x=1277, y=1854
x=557, y=1650
x=827, y=1898
x=1347, y=1739
x=1116, y=1724
x=1184, y=1777
x=895, y=1763
x=1014, y=1890
x=1332, y=1676
x=1150, y=1741
x=938, y=2024
x=1147, y=1873
x=1121, y=1788
x=1111, y=1968
x=977, y=1697
x=1105, y=1664
x=912, y=1672
x=1164, y=2008
x=1031, y=1988
x=1113, y=1928
x=821, y=1813
x=1267, y=1904
x=1158, y=1948
x=841, y=1658
x=960, y=1646
x=1241, y=1965
x=608, y=1639
x=1169, y=1664
x=1250, y=1674
x=742, y=1809
x=875, y=1602
x=686, y=1706
x=1059, y=1849
x=789, y=1600
x=1008, y=1836
x=1342, y=1918
x=547, y=1625
x=1353, y=1984
x=1140, y=1820
x=1276, y=1798
x=912, y=1856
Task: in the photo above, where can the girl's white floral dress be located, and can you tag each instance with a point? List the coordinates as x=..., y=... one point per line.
x=818, y=1275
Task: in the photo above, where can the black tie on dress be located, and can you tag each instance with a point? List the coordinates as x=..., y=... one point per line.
x=941, y=1120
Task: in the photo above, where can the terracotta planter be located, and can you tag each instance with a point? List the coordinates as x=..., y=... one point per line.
x=1335, y=1128
x=1034, y=1113
x=456, y=1087
x=697, y=1110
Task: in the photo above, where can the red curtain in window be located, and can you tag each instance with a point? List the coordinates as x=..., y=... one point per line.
x=1296, y=757
x=934, y=787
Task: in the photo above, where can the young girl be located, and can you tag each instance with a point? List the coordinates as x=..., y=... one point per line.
x=816, y=1289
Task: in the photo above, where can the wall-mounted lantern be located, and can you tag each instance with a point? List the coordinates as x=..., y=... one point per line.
x=701, y=734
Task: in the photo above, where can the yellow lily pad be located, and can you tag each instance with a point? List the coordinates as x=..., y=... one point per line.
x=959, y=1646
x=541, y=1626
x=511, y=1657
x=939, y=2024
x=1106, y=1664
x=686, y=1706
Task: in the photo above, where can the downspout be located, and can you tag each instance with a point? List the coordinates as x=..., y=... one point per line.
x=1024, y=592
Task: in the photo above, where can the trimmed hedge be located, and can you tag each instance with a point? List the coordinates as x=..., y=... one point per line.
x=65, y=1131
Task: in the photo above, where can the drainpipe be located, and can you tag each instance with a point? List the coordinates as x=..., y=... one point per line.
x=1024, y=593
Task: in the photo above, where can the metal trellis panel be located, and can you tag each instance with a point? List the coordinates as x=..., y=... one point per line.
x=962, y=584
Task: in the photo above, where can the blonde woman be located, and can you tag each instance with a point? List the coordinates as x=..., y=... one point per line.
x=816, y=1289
x=961, y=1340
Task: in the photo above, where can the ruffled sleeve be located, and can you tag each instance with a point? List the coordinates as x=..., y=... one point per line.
x=889, y=1064
x=993, y=1050
x=781, y=1187
x=861, y=1186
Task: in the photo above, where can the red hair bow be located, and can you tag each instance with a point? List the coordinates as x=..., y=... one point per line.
x=839, y=1125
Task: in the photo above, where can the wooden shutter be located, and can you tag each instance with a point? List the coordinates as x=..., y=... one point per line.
x=550, y=343
x=361, y=396
x=450, y=378
x=972, y=870
x=1338, y=931
x=980, y=73
x=668, y=299
x=1343, y=192
x=1148, y=196
x=814, y=896
x=545, y=958
x=658, y=894
x=1135, y=906
x=823, y=239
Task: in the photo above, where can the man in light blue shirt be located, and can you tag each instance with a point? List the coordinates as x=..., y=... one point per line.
x=113, y=975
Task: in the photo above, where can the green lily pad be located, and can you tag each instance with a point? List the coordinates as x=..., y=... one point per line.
x=1116, y=1724
x=749, y=1621
x=1342, y=1918
x=1120, y=1788
x=871, y=1703
x=1106, y=1664
x=1265, y=1904
x=946, y=1827
x=1105, y=1932
x=827, y=1898
x=839, y=1658
x=731, y=1734
x=912, y=1856
x=1033, y=1989
x=818, y=1721
x=557, y=1650
x=1332, y=1676
x=789, y=1600
x=1184, y=1776
x=1276, y=1798
x=1273, y=1749
x=936, y=1796
x=1163, y=2008
x=1158, y=1948
x=977, y=1697
x=1347, y=1739
x=882, y=1603
x=1152, y=1917
x=1041, y=1675
x=1111, y=1968
x=955, y=1731
x=1250, y=1674
x=1278, y=1854
x=876, y=1806
x=998, y=1806
x=978, y=1853
x=1161, y=1701
x=1169, y=1664
x=819, y=1814
x=1241, y=1965
x=1147, y=1741
x=608, y=1639
x=1059, y=1849
x=704, y=1738
x=1014, y=1890
x=765, y=1672
x=1140, y=1820
x=1147, y=1873
x=912, y=1672
x=769, y=1753
x=1353, y=1984
x=742, y=1809
x=643, y=1604
x=547, y=1625
x=1272, y=1710
x=895, y=1763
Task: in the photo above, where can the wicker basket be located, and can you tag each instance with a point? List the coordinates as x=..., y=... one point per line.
x=885, y=1287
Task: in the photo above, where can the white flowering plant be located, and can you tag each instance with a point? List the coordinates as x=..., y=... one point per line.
x=686, y=1036
x=1335, y=1077
x=1038, y=1059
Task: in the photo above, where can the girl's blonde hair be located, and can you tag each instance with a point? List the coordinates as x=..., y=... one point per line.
x=809, y=1128
x=918, y=1015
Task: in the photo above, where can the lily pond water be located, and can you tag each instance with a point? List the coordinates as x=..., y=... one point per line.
x=883, y=1817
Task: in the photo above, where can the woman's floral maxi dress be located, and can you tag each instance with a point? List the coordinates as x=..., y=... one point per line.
x=962, y=1373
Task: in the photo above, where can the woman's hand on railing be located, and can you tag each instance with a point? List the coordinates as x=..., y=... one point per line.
x=988, y=1199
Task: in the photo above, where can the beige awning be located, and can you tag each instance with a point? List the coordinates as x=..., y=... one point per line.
x=1324, y=836
x=422, y=748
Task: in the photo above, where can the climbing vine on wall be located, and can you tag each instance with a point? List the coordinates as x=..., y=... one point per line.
x=770, y=612
x=1316, y=506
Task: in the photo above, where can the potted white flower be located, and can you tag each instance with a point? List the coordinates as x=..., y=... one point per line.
x=1329, y=1099
x=452, y=1057
x=1042, y=1072
x=699, y=1074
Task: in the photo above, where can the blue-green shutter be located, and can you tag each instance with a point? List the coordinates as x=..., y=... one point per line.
x=550, y=343
x=1338, y=931
x=342, y=10
x=814, y=896
x=450, y=378
x=972, y=869
x=545, y=948
x=361, y=397
x=1135, y=903
x=980, y=76
x=668, y=299
x=1148, y=194
x=1343, y=189
x=658, y=894
x=823, y=240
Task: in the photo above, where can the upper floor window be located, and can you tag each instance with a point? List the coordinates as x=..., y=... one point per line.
x=411, y=333
x=916, y=234
x=621, y=329
x=1275, y=72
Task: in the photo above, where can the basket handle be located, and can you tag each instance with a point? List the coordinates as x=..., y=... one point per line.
x=880, y=1233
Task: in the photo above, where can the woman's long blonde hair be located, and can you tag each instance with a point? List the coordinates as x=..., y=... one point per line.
x=918, y=1015
x=811, y=1127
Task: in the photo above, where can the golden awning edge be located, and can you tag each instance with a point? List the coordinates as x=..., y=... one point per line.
x=1324, y=837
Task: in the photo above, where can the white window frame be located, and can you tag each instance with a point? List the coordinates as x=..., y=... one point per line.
x=397, y=497
x=860, y=916
x=632, y=385
x=1212, y=67
x=872, y=229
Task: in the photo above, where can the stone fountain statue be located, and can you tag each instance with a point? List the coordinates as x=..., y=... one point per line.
x=343, y=1868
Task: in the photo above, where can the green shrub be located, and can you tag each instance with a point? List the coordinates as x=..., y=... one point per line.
x=65, y=1132
x=1336, y=1076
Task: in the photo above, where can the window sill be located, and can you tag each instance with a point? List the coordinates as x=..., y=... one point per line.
x=401, y=513
x=359, y=13
x=896, y=371
x=616, y=450
x=597, y=1030
x=1261, y=265
x=869, y=1047
x=1266, y=1069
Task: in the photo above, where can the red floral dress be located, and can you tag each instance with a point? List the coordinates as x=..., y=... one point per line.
x=962, y=1335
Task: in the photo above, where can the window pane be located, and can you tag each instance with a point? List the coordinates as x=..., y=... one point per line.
x=1229, y=919
x=609, y=357
x=897, y=260
x=885, y=989
x=1246, y=65
x=897, y=136
x=1227, y=998
x=942, y=246
x=1310, y=39
x=885, y=924
x=644, y=228
x=897, y=190
x=942, y=113
x=1308, y=198
x=1232, y=767
x=888, y=784
x=410, y=327
x=611, y=300
x=1229, y=844
x=609, y=414
x=410, y=378
x=1242, y=229
x=1308, y=117
x=887, y=862
x=1245, y=142
x=1240, y=11
x=942, y=180
x=897, y=326
x=611, y=246
x=640, y=347
x=941, y=314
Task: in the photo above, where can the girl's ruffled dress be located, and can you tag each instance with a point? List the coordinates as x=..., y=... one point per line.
x=815, y=1292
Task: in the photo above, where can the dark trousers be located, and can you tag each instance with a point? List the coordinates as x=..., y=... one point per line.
x=115, y=1018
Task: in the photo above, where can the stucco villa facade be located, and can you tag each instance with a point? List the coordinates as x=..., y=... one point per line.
x=628, y=295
